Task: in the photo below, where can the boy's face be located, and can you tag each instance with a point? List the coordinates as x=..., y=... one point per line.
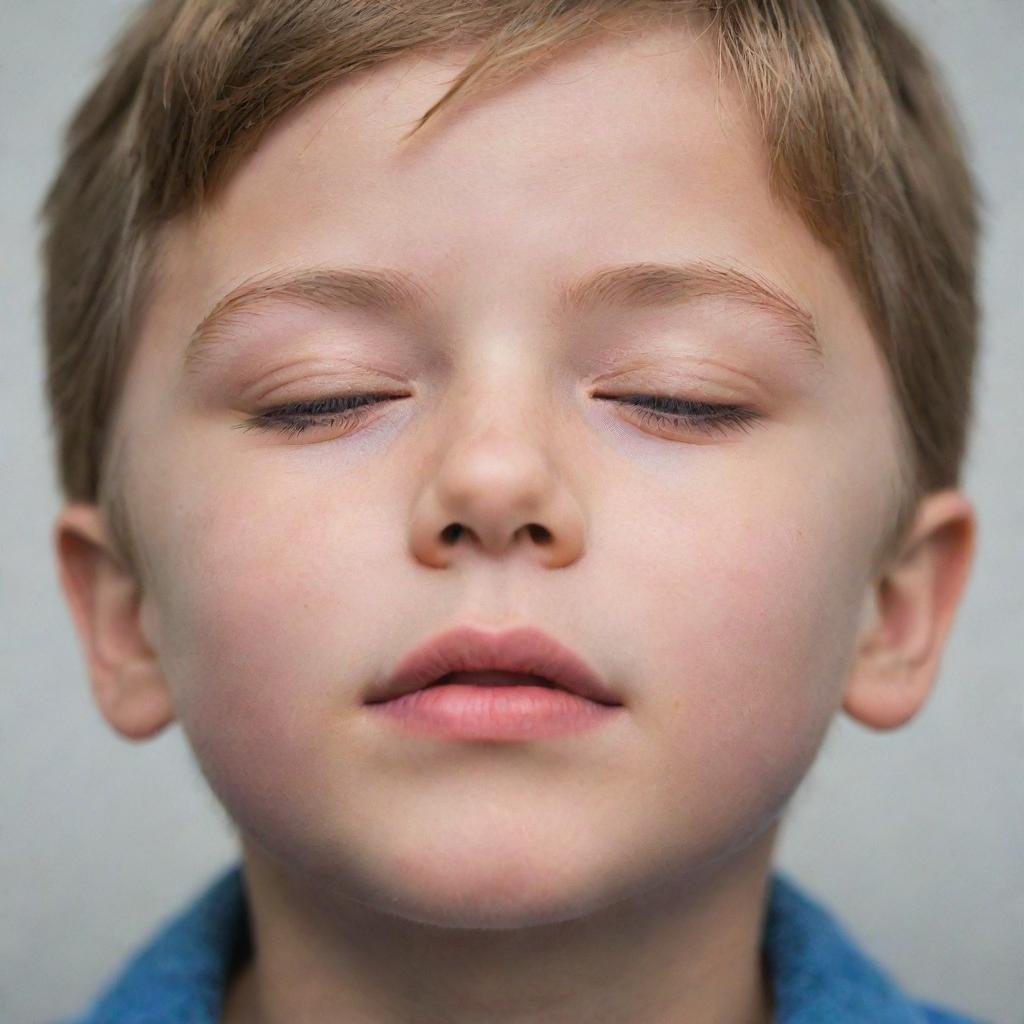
x=715, y=579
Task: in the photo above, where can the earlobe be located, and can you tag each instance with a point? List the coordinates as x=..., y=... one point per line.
x=108, y=609
x=139, y=706
x=909, y=612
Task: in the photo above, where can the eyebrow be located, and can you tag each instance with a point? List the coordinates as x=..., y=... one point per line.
x=625, y=286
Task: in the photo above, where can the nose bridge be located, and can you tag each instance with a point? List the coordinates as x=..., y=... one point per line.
x=503, y=377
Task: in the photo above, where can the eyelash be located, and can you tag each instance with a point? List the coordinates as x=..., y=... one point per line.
x=708, y=417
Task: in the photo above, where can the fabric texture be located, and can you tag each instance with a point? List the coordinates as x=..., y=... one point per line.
x=819, y=975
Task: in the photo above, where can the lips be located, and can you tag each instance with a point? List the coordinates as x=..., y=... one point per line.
x=526, y=651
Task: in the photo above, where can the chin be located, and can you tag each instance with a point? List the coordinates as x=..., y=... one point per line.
x=488, y=911
x=500, y=895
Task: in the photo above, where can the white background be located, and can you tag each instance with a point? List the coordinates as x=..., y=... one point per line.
x=914, y=838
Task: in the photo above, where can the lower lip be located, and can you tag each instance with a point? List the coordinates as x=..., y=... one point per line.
x=464, y=712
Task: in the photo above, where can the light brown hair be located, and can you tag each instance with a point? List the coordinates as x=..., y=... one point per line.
x=863, y=144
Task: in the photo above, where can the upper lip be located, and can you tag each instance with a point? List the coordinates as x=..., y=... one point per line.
x=468, y=649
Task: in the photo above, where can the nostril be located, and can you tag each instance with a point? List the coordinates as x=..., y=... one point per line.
x=451, y=533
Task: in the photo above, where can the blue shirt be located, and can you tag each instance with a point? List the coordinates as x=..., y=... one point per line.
x=818, y=974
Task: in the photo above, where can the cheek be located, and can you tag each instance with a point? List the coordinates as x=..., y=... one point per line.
x=751, y=616
x=262, y=621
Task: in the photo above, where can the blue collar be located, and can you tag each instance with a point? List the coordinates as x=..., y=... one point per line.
x=818, y=974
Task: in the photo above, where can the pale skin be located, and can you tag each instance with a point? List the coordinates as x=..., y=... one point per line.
x=720, y=581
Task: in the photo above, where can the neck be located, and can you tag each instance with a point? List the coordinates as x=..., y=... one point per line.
x=685, y=950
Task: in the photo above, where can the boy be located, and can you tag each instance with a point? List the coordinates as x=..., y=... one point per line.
x=506, y=508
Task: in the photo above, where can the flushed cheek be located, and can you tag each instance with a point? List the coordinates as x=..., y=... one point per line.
x=755, y=615
x=261, y=621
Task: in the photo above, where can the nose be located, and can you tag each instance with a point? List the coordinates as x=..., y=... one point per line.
x=493, y=493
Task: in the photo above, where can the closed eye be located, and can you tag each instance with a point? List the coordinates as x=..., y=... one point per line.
x=323, y=412
x=687, y=413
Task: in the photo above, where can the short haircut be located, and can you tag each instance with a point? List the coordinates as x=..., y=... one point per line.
x=863, y=142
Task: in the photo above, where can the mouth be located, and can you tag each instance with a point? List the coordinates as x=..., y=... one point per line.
x=466, y=655
x=493, y=678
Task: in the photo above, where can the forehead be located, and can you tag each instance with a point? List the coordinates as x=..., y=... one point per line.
x=629, y=146
x=633, y=121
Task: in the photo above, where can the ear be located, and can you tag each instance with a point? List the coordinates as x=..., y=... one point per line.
x=908, y=612
x=108, y=608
